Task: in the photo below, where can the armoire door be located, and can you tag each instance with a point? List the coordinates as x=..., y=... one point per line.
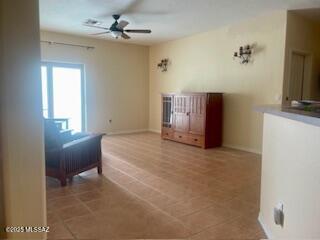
x=197, y=111
x=180, y=113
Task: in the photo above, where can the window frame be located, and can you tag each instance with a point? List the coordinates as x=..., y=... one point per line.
x=50, y=65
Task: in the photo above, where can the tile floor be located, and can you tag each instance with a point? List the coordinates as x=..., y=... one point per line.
x=155, y=189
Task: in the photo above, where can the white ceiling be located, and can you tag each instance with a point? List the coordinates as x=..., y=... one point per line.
x=168, y=19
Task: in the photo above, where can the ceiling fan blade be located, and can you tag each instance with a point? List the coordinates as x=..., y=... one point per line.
x=125, y=36
x=122, y=24
x=138, y=30
x=101, y=33
x=94, y=26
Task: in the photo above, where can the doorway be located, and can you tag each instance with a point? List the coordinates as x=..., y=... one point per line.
x=63, y=93
x=297, y=76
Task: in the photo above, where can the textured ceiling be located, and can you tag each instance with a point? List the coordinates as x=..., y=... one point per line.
x=168, y=19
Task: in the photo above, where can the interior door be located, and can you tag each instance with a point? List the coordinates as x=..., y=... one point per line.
x=180, y=113
x=296, y=77
x=197, y=114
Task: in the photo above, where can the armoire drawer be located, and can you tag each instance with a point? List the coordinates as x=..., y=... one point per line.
x=167, y=133
x=197, y=140
x=180, y=137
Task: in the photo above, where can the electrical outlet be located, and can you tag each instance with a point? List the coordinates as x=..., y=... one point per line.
x=278, y=214
x=278, y=98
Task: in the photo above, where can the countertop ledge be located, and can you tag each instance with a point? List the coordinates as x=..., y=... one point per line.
x=297, y=115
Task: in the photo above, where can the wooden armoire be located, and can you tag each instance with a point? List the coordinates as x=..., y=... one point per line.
x=193, y=118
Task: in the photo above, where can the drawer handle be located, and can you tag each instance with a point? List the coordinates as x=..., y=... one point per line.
x=167, y=134
x=195, y=140
x=180, y=136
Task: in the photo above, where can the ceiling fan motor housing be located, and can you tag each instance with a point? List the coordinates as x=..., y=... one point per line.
x=114, y=27
x=116, y=16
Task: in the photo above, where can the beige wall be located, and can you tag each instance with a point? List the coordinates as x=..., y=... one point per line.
x=116, y=80
x=290, y=175
x=21, y=118
x=204, y=63
x=303, y=36
x=290, y=159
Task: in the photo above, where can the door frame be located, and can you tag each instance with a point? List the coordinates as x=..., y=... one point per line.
x=50, y=65
x=287, y=73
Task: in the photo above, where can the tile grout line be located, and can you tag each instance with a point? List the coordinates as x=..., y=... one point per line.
x=136, y=144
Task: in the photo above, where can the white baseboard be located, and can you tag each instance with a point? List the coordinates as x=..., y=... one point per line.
x=242, y=148
x=264, y=227
x=159, y=131
x=128, y=131
x=154, y=130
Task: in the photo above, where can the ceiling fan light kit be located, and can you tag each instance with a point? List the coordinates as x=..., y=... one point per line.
x=116, y=34
x=116, y=29
x=244, y=54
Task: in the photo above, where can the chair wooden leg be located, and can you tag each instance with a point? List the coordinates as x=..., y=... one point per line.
x=99, y=168
x=63, y=181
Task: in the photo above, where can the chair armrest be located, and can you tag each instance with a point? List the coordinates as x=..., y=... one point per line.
x=81, y=153
x=82, y=140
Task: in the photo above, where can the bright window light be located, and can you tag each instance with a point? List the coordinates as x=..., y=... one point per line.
x=67, y=95
x=44, y=80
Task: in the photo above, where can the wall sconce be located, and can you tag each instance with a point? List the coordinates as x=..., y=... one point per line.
x=163, y=65
x=244, y=54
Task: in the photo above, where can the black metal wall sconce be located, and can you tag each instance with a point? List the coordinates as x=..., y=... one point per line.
x=163, y=65
x=244, y=54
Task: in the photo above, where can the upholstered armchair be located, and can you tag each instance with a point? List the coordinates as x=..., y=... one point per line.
x=70, y=154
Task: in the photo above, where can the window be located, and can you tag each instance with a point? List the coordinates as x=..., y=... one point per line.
x=44, y=79
x=63, y=93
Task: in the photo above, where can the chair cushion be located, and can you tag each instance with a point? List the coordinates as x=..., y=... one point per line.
x=52, y=136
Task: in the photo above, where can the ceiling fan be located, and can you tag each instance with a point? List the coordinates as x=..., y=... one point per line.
x=116, y=29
